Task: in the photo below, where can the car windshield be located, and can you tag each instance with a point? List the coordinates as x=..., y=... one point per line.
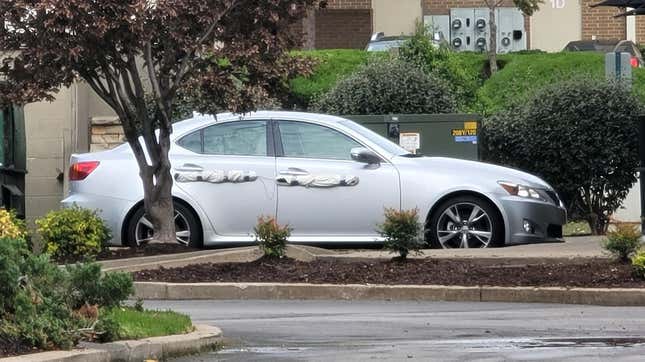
x=384, y=45
x=376, y=138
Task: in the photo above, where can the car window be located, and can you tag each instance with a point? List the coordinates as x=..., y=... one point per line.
x=306, y=140
x=242, y=138
x=192, y=142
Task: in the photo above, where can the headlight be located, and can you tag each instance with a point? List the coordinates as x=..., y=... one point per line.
x=521, y=190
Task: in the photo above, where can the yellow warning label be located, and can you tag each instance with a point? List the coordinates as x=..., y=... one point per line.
x=470, y=125
x=464, y=132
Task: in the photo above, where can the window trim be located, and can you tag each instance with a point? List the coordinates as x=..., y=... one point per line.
x=280, y=146
x=270, y=146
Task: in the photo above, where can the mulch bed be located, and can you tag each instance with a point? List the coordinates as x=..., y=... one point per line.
x=11, y=348
x=594, y=273
x=148, y=250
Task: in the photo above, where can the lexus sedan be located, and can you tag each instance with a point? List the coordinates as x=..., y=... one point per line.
x=327, y=177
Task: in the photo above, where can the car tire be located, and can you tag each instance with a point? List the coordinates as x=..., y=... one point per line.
x=186, y=221
x=442, y=225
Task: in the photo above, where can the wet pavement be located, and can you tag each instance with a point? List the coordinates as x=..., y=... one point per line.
x=441, y=331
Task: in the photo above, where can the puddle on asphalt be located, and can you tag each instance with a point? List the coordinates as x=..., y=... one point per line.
x=263, y=350
x=583, y=342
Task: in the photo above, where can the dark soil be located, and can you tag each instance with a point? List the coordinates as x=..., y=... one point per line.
x=148, y=250
x=594, y=273
x=11, y=348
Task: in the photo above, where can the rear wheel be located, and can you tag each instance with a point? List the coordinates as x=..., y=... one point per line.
x=465, y=222
x=187, y=231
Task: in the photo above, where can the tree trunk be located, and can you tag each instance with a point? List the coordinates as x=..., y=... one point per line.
x=157, y=190
x=492, y=45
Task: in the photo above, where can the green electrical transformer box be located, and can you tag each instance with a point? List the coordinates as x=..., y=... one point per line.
x=13, y=160
x=446, y=135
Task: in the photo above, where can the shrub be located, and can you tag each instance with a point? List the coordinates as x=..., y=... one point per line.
x=332, y=65
x=10, y=226
x=581, y=136
x=402, y=232
x=638, y=265
x=73, y=234
x=441, y=62
x=87, y=285
x=39, y=300
x=271, y=236
x=388, y=86
x=623, y=242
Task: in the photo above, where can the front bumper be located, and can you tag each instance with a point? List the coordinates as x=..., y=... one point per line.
x=546, y=220
x=112, y=210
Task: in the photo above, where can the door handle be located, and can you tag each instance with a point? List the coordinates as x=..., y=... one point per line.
x=189, y=167
x=294, y=171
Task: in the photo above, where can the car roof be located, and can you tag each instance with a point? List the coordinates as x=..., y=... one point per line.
x=198, y=119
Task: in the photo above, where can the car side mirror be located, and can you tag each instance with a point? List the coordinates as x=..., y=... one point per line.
x=364, y=155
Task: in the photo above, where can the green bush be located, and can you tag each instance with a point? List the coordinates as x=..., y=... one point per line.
x=73, y=233
x=87, y=285
x=402, y=232
x=388, y=86
x=524, y=74
x=333, y=65
x=638, y=265
x=623, y=242
x=443, y=63
x=38, y=299
x=581, y=136
x=271, y=236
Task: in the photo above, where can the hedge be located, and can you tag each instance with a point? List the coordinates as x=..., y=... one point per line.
x=521, y=74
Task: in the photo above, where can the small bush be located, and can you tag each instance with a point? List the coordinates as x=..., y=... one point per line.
x=87, y=285
x=10, y=226
x=402, y=232
x=581, y=136
x=271, y=236
x=73, y=234
x=638, y=265
x=623, y=242
x=441, y=62
x=388, y=86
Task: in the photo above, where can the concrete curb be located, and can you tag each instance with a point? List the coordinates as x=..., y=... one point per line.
x=593, y=296
x=202, y=339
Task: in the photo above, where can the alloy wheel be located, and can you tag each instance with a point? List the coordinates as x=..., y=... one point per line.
x=144, y=231
x=464, y=225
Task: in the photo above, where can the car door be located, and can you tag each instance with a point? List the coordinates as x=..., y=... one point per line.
x=230, y=173
x=351, y=207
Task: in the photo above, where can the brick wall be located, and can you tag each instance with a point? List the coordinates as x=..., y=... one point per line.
x=343, y=28
x=640, y=29
x=349, y=4
x=442, y=7
x=600, y=22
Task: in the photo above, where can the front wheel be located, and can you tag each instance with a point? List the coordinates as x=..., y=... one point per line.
x=140, y=230
x=465, y=222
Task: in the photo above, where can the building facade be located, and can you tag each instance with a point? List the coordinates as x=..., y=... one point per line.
x=350, y=23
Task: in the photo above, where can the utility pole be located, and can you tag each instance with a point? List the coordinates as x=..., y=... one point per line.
x=641, y=168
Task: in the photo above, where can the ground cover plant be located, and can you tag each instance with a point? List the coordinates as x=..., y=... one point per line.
x=402, y=232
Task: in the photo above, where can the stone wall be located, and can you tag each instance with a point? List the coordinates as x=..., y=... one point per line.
x=105, y=133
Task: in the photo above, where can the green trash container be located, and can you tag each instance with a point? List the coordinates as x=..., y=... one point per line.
x=13, y=160
x=447, y=135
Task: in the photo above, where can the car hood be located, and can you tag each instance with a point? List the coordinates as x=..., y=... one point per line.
x=481, y=169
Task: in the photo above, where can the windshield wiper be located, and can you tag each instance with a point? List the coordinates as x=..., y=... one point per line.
x=412, y=155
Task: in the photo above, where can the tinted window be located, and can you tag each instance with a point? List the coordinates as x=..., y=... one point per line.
x=192, y=142
x=244, y=138
x=313, y=141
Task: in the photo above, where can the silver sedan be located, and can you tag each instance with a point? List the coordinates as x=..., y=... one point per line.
x=327, y=177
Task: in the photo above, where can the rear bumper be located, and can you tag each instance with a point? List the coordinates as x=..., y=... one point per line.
x=546, y=220
x=112, y=210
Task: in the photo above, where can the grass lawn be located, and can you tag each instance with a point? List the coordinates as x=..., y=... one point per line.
x=134, y=324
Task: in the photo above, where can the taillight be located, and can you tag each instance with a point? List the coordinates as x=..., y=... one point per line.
x=79, y=171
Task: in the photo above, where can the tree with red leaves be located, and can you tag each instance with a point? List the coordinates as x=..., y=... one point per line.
x=231, y=52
